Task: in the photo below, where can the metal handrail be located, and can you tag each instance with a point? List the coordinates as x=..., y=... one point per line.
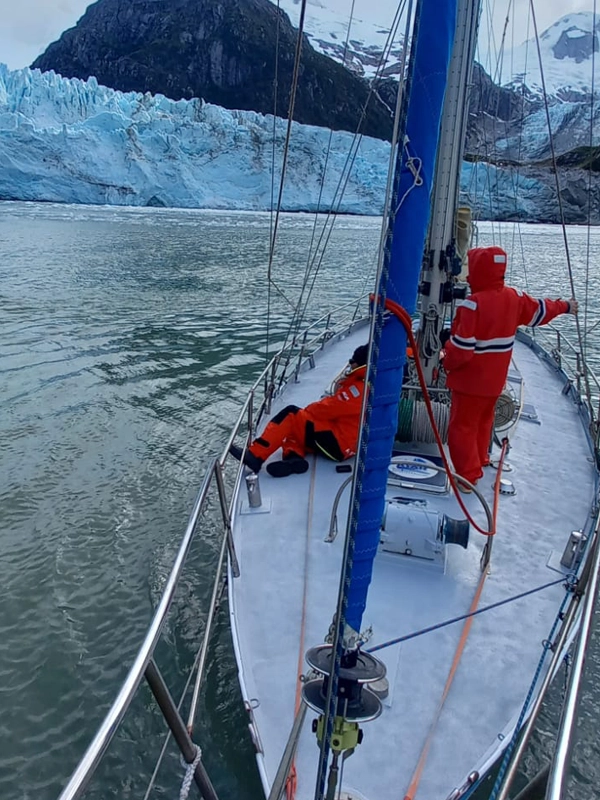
x=586, y=588
x=563, y=339
x=112, y=720
x=574, y=368
x=557, y=783
x=211, y=614
x=283, y=770
x=249, y=416
x=110, y=724
x=527, y=729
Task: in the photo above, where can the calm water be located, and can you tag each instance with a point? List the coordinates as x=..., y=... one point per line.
x=128, y=340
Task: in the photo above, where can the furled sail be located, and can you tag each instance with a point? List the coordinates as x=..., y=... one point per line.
x=399, y=277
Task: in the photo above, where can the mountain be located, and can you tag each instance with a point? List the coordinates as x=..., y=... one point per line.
x=566, y=46
x=222, y=51
x=567, y=50
x=358, y=42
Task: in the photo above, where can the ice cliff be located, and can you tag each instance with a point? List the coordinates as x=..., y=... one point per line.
x=73, y=141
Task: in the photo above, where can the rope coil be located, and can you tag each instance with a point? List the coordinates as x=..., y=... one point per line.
x=190, y=769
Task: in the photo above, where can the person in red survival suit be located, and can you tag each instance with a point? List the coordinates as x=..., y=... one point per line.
x=329, y=426
x=478, y=353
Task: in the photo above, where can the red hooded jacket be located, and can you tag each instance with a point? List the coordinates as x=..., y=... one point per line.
x=483, y=332
x=340, y=413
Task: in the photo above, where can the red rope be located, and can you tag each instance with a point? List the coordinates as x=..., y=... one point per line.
x=406, y=320
x=404, y=317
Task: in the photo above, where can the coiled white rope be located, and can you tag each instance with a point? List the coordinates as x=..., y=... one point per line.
x=190, y=769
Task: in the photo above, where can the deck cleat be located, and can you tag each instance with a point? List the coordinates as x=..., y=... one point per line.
x=506, y=487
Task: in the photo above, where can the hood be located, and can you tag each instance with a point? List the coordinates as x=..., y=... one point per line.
x=487, y=266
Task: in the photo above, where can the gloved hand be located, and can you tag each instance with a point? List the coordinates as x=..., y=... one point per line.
x=573, y=306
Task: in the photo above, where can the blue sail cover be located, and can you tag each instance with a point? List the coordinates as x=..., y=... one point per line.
x=408, y=224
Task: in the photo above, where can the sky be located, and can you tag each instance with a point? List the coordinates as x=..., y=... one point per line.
x=29, y=26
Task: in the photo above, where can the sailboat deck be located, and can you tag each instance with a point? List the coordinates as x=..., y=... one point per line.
x=289, y=582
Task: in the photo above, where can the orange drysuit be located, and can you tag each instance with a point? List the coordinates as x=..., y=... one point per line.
x=329, y=426
x=478, y=354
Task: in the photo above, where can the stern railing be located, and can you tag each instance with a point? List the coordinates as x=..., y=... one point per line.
x=558, y=349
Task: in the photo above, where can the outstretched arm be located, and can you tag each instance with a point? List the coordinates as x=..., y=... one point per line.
x=539, y=312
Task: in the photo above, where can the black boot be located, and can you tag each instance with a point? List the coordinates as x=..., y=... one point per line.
x=291, y=464
x=250, y=460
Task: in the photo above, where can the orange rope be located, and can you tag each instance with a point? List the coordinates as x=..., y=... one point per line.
x=416, y=777
x=291, y=783
x=417, y=774
x=404, y=317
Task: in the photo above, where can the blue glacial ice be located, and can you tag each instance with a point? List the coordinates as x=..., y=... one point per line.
x=72, y=141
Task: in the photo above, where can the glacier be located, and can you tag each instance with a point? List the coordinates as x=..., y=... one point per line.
x=72, y=141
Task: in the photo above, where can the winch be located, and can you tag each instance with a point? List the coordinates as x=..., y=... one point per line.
x=411, y=528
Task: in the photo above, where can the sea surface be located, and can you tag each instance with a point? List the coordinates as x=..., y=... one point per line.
x=128, y=339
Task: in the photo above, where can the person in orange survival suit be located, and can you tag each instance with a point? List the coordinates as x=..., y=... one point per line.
x=478, y=353
x=329, y=426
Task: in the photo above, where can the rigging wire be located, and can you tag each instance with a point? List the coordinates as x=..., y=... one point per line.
x=515, y=173
x=473, y=190
x=288, y=135
x=346, y=171
x=299, y=315
x=520, y=155
x=561, y=212
x=495, y=61
x=418, y=771
x=548, y=645
x=400, y=119
x=272, y=205
x=322, y=188
x=589, y=219
x=439, y=625
x=327, y=230
x=497, y=80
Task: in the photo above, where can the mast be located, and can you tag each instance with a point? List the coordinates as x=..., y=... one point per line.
x=342, y=696
x=441, y=262
x=408, y=225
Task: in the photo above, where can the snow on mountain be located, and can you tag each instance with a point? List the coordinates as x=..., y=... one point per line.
x=570, y=124
x=566, y=51
x=566, y=46
x=326, y=25
x=71, y=141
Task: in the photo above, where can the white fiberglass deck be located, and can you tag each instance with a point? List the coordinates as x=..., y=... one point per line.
x=284, y=559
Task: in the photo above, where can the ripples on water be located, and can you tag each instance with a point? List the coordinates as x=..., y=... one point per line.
x=129, y=338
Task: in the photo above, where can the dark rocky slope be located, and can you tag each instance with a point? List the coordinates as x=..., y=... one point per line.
x=223, y=51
